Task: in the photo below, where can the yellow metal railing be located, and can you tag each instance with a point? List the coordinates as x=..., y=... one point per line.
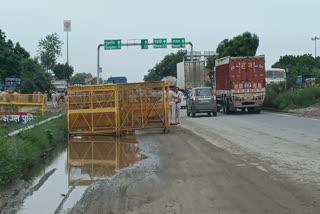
x=32, y=103
x=105, y=109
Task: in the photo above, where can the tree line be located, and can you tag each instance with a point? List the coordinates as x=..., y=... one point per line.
x=36, y=73
x=245, y=44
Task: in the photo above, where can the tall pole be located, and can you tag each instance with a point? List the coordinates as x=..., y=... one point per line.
x=98, y=63
x=67, y=49
x=315, y=45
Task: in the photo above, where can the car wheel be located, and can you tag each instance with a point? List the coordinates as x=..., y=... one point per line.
x=214, y=113
x=209, y=113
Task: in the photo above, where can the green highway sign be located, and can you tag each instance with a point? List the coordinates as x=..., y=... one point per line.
x=144, y=44
x=112, y=44
x=178, y=42
x=159, y=43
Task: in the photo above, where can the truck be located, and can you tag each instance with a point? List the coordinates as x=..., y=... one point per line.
x=191, y=74
x=239, y=83
x=116, y=80
x=275, y=75
x=60, y=86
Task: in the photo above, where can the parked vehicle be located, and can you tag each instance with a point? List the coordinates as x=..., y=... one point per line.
x=183, y=103
x=275, y=75
x=305, y=78
x=201, y=100
x=192, y=74
x=116, y=80
x=240, y=83
x=60, y=86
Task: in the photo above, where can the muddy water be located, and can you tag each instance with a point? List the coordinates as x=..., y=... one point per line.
x=84, y=161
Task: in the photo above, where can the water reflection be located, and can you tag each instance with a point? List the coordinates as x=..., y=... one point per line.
x=90, y=158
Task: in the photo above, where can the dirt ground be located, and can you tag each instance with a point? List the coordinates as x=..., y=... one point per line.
x=312, y=111
x=187, y=174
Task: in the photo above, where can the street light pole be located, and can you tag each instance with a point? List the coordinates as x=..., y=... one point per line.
x=315, y=45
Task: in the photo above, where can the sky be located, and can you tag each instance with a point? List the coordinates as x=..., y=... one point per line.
x=283, y=27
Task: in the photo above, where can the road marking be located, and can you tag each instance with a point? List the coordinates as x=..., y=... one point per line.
x=241, y=165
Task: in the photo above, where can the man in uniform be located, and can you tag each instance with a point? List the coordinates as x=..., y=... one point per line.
x=173, y=99
x=178, y=106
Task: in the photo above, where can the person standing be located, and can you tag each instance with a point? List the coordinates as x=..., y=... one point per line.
x=173, y=98
x=178, y=106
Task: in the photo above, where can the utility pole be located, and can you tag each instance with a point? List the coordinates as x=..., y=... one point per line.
x=315, y=45
x=67, y=29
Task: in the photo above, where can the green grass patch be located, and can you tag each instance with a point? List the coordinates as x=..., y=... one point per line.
x=20, y=153
x=280, y=98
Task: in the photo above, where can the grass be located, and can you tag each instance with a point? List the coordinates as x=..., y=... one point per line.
x=280, y=98
x=20, y=153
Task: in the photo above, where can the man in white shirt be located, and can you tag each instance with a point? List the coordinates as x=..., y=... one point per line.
x=173, y=99
x=178, y=106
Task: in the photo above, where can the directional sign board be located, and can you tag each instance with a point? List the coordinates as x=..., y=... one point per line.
x=112, y=44
x=160, y=43
x=178, y=42
x=144, y=44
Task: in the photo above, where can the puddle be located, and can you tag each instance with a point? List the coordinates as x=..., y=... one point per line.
x=85, y=160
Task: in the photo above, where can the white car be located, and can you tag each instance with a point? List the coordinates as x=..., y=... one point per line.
x=183, y=103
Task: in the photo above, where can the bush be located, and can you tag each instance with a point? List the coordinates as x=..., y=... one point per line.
x=19, y=153
x=292, y=98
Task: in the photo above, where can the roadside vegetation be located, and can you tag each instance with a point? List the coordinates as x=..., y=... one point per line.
x=18, y=154
x=290, y=94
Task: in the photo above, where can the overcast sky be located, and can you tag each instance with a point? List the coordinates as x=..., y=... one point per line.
x=283, y=27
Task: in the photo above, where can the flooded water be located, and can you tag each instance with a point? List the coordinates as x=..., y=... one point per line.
x=84, y=161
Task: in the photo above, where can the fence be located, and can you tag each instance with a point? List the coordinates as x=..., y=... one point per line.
x=30, y=103
x=109, y=109
x=92, y=109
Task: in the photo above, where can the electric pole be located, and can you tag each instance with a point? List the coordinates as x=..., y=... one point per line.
x=315, y=45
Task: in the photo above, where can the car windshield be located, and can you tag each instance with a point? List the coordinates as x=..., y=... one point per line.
x=204, y=92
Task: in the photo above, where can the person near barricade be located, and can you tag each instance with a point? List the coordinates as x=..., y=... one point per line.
x=178, y=106
x=173, y=99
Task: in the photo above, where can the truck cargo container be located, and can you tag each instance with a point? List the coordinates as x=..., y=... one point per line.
x=171, y=80
x=240, y=83
x=192, y=74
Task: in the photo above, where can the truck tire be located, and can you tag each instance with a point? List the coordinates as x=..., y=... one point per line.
x=227, y=106
x=188, y=113
x=251, y=110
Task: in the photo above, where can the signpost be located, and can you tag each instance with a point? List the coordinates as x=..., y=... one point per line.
x=114, y=44
x=160, y=43
x=144, y=44
x=178, y=43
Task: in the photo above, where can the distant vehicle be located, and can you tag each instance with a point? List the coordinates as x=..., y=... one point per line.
x=240, y=83
x=172, y=80
x=60, y=86
x=183, y=103
x=116, y=80
x=191, y=74
x=201, y=100
x=275, y=75
x=305, y=78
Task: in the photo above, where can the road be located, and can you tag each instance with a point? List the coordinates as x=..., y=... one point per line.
x=233, y=164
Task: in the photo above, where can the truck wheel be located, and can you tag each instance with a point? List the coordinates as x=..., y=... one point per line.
x=227, y=106
x=188, y=113
x=224, y=110
x=251, y=110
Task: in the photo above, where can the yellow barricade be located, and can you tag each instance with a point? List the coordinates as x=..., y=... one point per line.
x=105, y=109
x=143, y=105
x=31, y=103
x=92, y=109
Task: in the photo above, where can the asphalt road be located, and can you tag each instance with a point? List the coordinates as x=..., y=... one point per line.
x=224, y=165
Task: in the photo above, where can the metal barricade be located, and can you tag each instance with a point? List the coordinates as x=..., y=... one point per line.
x=30, y=103
x=143, y=105
x=92, y=110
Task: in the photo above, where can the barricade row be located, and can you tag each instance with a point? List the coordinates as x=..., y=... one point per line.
x=31, y=103
x=105, y=109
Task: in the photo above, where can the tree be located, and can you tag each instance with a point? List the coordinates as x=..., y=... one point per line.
x=78, y=78
x=49, y=50
x=297, y=65
x=10, y=57
x=245, y=44
x=167, y=67
x=62, y=71
x=34, y=77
